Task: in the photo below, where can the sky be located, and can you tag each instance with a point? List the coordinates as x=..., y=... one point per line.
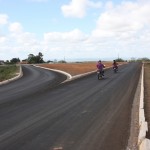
x=75, y=29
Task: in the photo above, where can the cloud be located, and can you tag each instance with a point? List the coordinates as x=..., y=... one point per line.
x=72, y=36
x=77, y=8
x=125, y=20
x=120, y=29
x=15, y=27
x=123, y=28
x=3, y=19
x=37, y=0
x=18, y=35
x=2, y=39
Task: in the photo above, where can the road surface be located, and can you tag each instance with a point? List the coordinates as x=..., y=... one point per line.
x=36, y=113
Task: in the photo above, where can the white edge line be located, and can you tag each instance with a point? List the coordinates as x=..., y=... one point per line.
x=63, y=72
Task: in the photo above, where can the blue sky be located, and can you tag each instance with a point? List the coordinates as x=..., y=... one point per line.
x=75, y=29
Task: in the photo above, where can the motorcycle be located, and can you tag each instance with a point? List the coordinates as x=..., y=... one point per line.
x=115, y=69
x=100, y=74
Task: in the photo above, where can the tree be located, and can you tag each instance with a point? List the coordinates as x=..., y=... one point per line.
x=7, y=62
x=35, y=59
x=39, y=58
x=31, y=59
x=143, y=59
x=62, y=61
x=120, y=60
x=133, y=59
x=15, y=60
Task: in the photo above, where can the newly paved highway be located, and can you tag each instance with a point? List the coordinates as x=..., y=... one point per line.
x=36, y=113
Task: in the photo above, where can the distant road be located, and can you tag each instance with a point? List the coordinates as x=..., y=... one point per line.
x=36, y=113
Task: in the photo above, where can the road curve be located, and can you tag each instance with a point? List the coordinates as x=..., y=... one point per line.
x=84, y=114
x=34, y=80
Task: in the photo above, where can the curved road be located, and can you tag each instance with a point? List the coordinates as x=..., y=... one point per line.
x=36, y=113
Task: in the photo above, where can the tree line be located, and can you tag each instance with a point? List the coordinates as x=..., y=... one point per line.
x=32, y=59
x=36, y=59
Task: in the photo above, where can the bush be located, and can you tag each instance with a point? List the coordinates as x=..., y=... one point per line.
x=120, y=60
x=8, y=71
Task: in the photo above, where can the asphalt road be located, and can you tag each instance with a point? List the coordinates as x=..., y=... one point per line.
x=36, y=113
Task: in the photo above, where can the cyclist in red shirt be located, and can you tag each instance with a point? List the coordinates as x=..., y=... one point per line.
x=115, y=64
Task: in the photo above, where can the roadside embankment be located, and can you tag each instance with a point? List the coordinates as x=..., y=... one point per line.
x=143, y=142
x=139, y=126
x=18, y=75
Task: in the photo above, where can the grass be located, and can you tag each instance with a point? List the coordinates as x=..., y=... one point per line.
x=8, y=71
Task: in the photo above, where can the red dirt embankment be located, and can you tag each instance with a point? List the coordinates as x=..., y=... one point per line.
x=76, y=68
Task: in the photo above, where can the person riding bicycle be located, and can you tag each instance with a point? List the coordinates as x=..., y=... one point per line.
x=115, y=64
x=100, y=67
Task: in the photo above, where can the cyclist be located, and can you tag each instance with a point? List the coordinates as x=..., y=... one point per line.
x=100, y=67
x=115, y=64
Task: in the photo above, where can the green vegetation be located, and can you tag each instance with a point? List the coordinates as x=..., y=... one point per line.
x=62, y=61
x=8, y=71
x=35, y=59
x=120, y=60
x=144, y=59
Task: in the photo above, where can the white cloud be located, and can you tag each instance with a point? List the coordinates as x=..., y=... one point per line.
x=124, y=28
x=3, y=19
x=77, y=8
x=94, y=4
x=120, y=29
x=125, y=20
x=2, y=39
x=18, y=35
x=73, y=36
x=15, y=27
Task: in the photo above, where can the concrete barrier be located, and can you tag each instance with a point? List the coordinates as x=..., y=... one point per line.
x=143, y=142
x=69, y=77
